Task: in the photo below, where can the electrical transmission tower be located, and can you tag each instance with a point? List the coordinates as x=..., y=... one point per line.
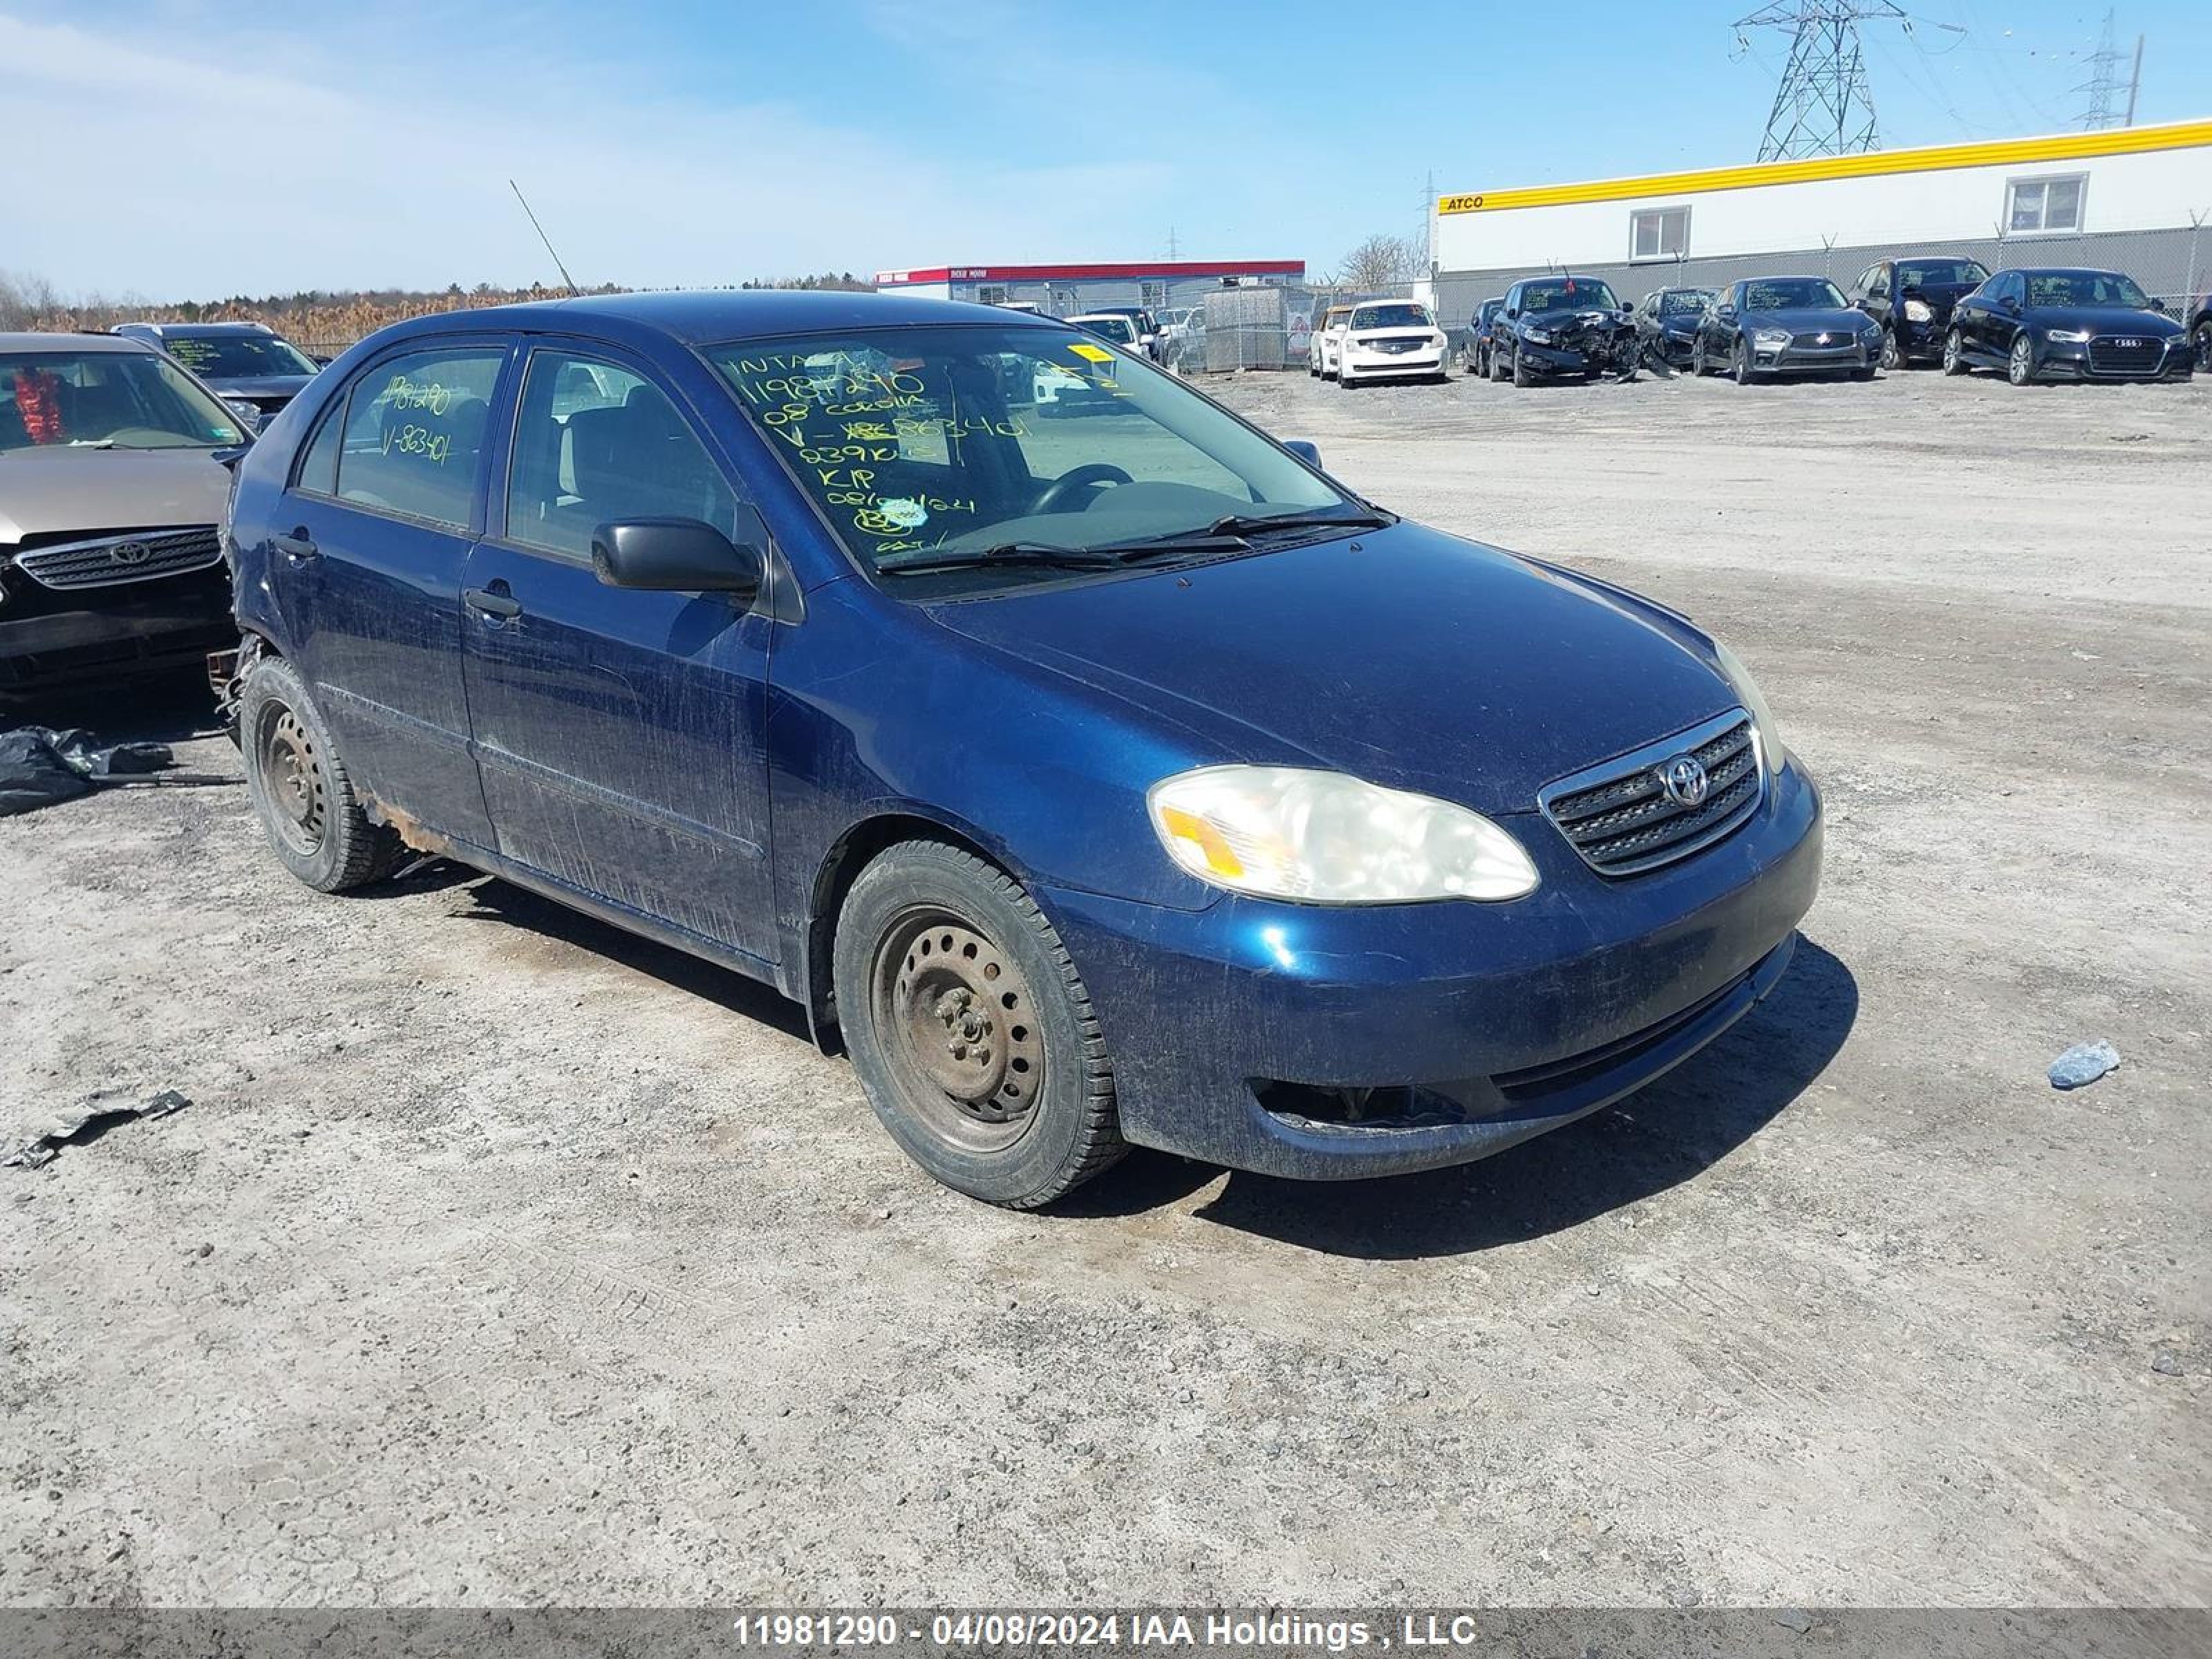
x=1822, y=106
x=2105, y=83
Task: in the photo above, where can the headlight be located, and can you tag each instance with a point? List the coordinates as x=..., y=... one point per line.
x=1772, y=338
x=1537, y=336
x=2067, y=336
x=1324, y=838
x=1754, y=702
x=1918, y=311
x=248, y=412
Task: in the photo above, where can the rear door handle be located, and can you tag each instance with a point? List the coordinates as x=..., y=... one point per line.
x=298, y=547
x=502, y=605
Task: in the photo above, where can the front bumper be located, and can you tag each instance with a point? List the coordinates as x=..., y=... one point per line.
x=2074, y=361
x=57, y=638
x=1675, y=350
x=1922, y=342
x=1609, y=356
x=1481, y=1026
x=1386, y=365
x=1853, y=357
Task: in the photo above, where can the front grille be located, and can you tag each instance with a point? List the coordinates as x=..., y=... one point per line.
x=1621, y=818
x=130, y=556
x=1832, y=341
x=2129, y=354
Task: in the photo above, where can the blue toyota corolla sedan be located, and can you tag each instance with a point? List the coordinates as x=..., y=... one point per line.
x=1090, y=783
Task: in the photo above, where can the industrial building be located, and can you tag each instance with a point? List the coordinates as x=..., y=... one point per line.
x=1065, y=290
x=2128, y=199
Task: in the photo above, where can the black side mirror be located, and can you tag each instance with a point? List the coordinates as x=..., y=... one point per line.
x=682, y=555
x=2158, y=305
x=1310, y=453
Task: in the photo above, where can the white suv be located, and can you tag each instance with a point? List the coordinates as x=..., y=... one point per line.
x=1389, y=340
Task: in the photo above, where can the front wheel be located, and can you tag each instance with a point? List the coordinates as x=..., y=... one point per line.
x=1522, y=377
x=1698, y=367
x=2204, y=348
x=1744, y=372
x=2019, y=364
x=1954, y=354
x=970, y=1029
x=299, y=786
x=1893, y=355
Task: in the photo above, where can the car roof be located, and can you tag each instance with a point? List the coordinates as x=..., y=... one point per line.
x=185, y=331
x=17, y=342
x=705, y=319
x=2059, y=270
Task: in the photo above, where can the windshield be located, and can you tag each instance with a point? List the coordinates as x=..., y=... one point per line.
x=1792, y=294
x=1391, y=316
x=1116, y=329
x=110, y=399
x=921, y=443
x=1568, y=293
x=1923, y=273
x=237, y=356
x=1682, y=301
x=2085, y=287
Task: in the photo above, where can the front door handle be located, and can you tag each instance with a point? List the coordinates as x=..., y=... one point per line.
x=504, y=606
x=299, y=546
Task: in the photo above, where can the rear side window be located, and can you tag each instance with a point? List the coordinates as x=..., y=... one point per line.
x=319, y=468
x=414, y=436
x=595, y=442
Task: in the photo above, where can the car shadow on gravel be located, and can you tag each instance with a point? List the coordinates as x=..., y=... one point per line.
x=165, y=709
x=1670, y=1133
x=503, y=903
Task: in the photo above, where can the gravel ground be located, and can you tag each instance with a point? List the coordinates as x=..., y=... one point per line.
x=502, y=1258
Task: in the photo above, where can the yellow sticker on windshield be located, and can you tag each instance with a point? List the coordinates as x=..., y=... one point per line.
x=1095, y=353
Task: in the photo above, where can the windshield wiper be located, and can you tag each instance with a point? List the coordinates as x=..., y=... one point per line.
x=1106, y=556
x=1248, y=524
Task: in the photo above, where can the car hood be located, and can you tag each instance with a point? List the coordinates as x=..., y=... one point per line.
x=2107, y=319
x=1808, y=320
x=1405, y=332
x=1558, y=321
x=1941, y=296
x=1418, y=661
x=44, y=491
x=258, y=385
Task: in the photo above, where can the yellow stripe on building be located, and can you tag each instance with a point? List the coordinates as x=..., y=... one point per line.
x=1936, y=158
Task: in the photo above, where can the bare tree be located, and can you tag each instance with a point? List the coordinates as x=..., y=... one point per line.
x=26, y=301
x=1380, y=262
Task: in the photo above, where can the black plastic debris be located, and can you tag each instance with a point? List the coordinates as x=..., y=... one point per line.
x=40, y=766
x=86, y=1123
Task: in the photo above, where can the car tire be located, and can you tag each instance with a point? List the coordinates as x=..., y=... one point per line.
x=298, y=785
x=1745, y=373
x=1522, y=377
x=1698, y=367
x=2020, y=361
x=1893, y=354
x=972, y=1033
x=1954, y=354
x=2204, y=348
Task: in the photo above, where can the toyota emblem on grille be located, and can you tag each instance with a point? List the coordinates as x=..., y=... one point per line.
x=129, y=552
x=1684, y=779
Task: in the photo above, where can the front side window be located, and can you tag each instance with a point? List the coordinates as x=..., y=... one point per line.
x=618, y=450
x=128, y=399
x=236, y=356
x=2038, y=205
x=934, y=446
x=414, y=434
x=1659, y=232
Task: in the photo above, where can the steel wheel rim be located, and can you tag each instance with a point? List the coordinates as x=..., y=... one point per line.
x=959, y=1021
x=291, y=780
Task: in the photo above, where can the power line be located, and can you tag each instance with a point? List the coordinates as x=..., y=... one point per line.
x=1823, y=106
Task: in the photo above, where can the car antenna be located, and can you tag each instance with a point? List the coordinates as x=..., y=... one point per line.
x=543, y=237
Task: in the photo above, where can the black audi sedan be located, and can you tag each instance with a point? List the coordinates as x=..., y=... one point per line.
x=1912, y=300
x=1667, y=321
x=2064, y=325
x=1772, y=325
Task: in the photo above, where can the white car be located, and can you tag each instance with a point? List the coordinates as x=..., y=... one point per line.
x=1389, y=340
x=1327, y=335
x=1057, y=391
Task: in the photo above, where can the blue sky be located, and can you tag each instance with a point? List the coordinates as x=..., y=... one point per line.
x=187, y=150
